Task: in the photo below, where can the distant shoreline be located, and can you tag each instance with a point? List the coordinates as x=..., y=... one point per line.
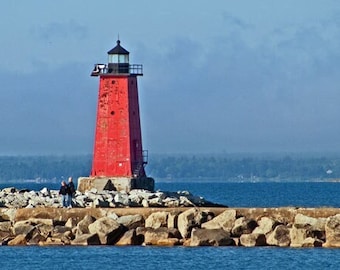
x=190, y=180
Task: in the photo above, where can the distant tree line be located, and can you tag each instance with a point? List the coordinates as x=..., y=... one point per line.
x=244, y=168
x=44, y=167
x=221, y=167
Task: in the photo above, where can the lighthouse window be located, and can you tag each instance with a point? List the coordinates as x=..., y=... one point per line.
x=113, y=81
x=112, y=112
x=123, y=58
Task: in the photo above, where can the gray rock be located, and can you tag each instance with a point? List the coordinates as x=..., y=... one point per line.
x=189, y=219
x=298, y=236
x=213, y=237
x=157, y=220
x=225, y=221
x=155, y=202
x=37, y=238
x=266, y=225
x=108, y=230
x=100, y=202
x=122, y=199
x=171, y=202
x=186, y=202
x=83, y=225
x=131, y=221
x=135, y=199
x=253, y=239
x=86, y=240
x=243, y=226
x=12, y=198
x=279, y=237
x=23, y=227
x=154, y=236
x=332, y=229
x=129, y=238
x=45, y=192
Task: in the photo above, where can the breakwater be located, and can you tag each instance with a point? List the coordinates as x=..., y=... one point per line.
x=161, y=226
x=158, y=218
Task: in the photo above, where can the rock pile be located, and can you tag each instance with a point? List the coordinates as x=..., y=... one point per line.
x=289, y=227
x=13, y=198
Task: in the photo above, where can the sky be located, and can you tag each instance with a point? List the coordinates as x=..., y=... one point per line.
x=220, y=76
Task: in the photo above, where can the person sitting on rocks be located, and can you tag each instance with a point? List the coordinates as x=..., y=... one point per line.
x=63, y=191
x=71, y=191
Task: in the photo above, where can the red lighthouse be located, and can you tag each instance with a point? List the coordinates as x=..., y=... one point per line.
x=118, y=157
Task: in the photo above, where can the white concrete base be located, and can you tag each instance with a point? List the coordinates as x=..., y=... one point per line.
x=115, y=183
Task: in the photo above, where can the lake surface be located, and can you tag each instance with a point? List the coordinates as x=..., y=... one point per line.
x=260, y=194
x=207, y=258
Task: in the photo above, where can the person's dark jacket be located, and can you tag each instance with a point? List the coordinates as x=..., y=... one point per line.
x=63, y=190
x=71, y=188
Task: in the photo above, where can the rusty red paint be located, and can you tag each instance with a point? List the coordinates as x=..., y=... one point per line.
x=118, y=142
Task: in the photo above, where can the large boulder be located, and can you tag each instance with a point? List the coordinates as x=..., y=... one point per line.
x=310, y=223
x=223, y=221
x=169, y=242
x=243, y=225
x=131, y=221
x=19, y=240
x=210, y=237
x=188, y=220
x=332, y=229
x=279, y=237
x=156, y=236
x=157, y=220
x=129, y=238
x=315, y=226
x=108, y=230
x=86, y=240
x=23, y=227
x=298, y=236
x=36, y=238
x=83, y=225
x=253, y=239
x=266, y=225
x=302, y=221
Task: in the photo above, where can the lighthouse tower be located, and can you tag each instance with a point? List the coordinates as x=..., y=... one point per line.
x=118, y=157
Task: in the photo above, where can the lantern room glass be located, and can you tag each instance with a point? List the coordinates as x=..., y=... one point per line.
x=119, y=58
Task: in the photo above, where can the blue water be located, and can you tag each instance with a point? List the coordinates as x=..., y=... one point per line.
x=301, y=194
x=262, y=194
x=207, y=258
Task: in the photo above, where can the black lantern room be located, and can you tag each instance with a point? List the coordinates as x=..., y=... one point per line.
x=118, y=60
